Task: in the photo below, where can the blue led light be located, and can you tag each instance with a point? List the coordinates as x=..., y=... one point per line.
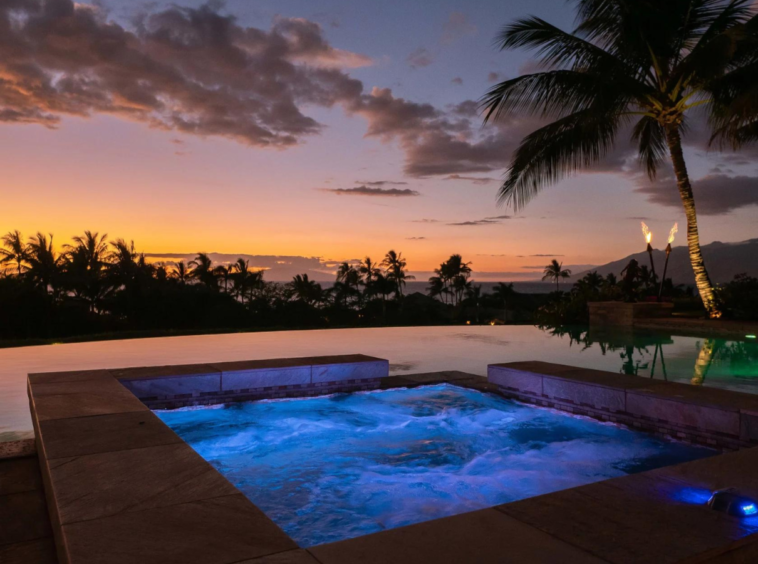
x=749, y=509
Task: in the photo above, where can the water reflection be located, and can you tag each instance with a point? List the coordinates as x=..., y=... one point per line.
x=644, y=353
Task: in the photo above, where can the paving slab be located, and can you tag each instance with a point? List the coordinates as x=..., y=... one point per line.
x=485, y=536
x=222, y=530
x=19, y=475
x=632, y=520
x=84, y=404
x=735, y=469
x=169, y=371
x=23, y=517
x=104, y=433
x=98, y=485
x=39, y=551
x=70, y=376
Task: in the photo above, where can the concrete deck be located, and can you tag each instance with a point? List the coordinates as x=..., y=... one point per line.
x=122, y=487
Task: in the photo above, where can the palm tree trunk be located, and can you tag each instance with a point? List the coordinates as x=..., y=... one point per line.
x=703, y=282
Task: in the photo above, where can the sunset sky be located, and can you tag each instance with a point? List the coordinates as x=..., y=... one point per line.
x=333, y=129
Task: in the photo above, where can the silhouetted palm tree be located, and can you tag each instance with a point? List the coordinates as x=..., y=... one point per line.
x=122, y=262
x=555, y=271
x=202, y=271
x=44, y=263
x=653, y=59
x=181, y=272
x=384, y=287
x=83, y=267
x=347, y=284
x=306, y=290
x=369, y=270
x=15, y=250
x=504, y=292
x=224, y=274
x=395, y=271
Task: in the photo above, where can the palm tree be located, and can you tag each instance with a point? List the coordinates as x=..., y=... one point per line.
x=555, y=271
x=348, y=282
x=180, y=273
x=651, y=60
x=305, y=289
x=202, y=271
x=504, y=292
x=44, y=262
x=15, y=250
x=384, y=286
x=369, y=271
x=223, y=273
x=83, y=266
x=394, y=264
x=122, y=262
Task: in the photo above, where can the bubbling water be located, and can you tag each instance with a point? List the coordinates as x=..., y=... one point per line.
x=336, y=467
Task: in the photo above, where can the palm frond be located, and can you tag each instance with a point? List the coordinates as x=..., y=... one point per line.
x=557, y=150
x=651, y=142
x=557, y=48
x=558, y=92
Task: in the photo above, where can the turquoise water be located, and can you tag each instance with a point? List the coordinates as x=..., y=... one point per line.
x=336, y=467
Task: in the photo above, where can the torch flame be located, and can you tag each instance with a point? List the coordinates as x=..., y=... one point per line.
x=673, y=233
x=647, y=233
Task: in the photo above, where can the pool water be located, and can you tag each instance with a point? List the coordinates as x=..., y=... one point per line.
x=336, y=467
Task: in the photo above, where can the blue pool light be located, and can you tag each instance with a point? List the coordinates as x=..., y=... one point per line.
x=730, y=502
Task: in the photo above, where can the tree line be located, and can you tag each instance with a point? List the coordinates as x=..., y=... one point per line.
x=95, y=285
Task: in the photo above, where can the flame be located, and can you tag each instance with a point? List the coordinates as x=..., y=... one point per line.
x=673, y=233
x=647, y=233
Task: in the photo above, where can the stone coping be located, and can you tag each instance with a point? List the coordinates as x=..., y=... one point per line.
x=715, y=417
x=123, y=487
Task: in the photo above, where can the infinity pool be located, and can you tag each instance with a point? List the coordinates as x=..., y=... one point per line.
x=336, y=467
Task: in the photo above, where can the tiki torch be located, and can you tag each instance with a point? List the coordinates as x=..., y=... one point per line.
x=672, y=234
x=649, y=238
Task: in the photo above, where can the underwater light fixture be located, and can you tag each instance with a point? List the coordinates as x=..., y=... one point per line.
x=731, y=502
x=750, y=336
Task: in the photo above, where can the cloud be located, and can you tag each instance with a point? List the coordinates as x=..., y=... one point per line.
x=530, y=67
x=486, y=221
x=467, y=108
x=715, y=194
x=415, y=238
x=426, y=221
x=190, y=70
x=494, y=76
x=549, y=255
x=420, y=58
x=457, y=80
x=380, y=183
x=474, y=179
x=456, y=26
x=373, y=192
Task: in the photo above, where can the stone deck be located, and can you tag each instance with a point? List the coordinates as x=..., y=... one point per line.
x=25, y=533
x=123, y=487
